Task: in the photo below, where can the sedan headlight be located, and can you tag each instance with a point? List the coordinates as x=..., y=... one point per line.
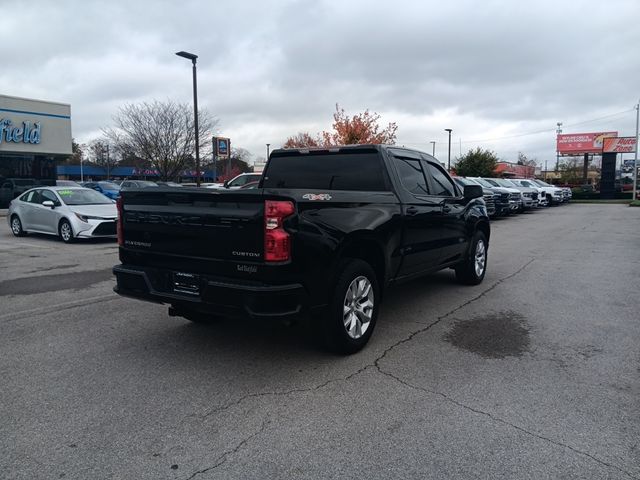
x=86, y=218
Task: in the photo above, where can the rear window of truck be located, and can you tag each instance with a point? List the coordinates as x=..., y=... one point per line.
x=357, y=170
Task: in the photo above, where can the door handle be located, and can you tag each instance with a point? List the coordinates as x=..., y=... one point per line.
x=446, y=208
x=412, y=211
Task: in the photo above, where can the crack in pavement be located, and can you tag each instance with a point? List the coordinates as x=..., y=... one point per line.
x=239, y=400
x=225, y=455
x=375, y=363
x=502, y=421
x=411, y=336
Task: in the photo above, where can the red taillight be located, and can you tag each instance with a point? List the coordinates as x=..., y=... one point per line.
x=119, y=222
x=277, y=243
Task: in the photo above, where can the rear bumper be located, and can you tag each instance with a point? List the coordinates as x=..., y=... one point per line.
x=226, y=297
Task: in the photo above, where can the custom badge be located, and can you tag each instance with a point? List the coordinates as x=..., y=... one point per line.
x=316, y=196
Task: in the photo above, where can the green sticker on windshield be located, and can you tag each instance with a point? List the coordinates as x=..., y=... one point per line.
x=65, y=192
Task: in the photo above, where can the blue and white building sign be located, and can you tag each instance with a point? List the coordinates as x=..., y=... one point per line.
x=28, y=132
x=222, y=146
x=34, y=127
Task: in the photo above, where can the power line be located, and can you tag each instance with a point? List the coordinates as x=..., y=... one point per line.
x=537, y=132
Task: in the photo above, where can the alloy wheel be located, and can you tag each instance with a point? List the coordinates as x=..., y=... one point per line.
x=16, y=227
x=358, y=307
x=480, y=258
x=65, y=231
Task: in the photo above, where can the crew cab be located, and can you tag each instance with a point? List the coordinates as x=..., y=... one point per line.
x=324, y=234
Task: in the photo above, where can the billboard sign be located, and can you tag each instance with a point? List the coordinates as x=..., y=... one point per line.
x=619, y=145
x=579, y=143
x=222, y=147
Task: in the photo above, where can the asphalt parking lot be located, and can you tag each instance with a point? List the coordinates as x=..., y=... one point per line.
x=533, y=374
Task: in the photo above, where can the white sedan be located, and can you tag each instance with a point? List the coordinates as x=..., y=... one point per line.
x=69, y=212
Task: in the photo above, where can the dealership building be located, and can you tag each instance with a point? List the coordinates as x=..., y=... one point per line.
x=34, y=136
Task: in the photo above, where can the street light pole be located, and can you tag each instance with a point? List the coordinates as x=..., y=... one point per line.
x=268, y=151
x=449, y=158
x=433, y=150
x=193, y=58
x=635, y=157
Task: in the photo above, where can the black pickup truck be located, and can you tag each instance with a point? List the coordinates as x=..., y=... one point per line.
x=325, y=232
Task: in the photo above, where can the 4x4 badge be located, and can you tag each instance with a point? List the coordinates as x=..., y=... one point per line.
x=316, y=196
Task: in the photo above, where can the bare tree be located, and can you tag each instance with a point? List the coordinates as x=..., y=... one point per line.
x=102, y=154
x=525, y=160
x=163, y=134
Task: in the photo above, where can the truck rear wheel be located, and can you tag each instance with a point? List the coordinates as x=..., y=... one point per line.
x=349, y=320
x=472, y=270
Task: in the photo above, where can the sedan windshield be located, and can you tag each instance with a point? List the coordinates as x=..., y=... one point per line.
x=83, y=196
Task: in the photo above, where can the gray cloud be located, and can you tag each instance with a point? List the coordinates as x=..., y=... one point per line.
x=271, y=69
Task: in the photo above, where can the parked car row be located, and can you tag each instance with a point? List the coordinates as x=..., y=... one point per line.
x=112, y=189
x=504, y=196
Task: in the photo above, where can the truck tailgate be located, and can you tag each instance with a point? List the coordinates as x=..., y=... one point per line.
x=206, y=224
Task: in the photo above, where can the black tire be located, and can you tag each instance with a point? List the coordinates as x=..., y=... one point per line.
x=355, y=278
x=65, y=231
x=16, y=226
x=466, y=272
x=549, y=200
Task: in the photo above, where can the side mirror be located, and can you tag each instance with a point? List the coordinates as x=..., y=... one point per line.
x=472, y=191
x=226, y=184
x=49, y=203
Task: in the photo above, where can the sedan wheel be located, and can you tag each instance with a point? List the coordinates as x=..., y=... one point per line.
x=66, y=232
x=16, y=227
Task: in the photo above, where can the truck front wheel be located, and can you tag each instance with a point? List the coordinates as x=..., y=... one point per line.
x=472, y=270
x=349, y=320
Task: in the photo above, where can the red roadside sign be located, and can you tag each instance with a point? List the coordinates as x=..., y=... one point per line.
x=578, y=143
x=619, y=145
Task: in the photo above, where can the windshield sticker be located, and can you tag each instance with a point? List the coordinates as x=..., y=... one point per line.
x=65, y=192
x=316, y=196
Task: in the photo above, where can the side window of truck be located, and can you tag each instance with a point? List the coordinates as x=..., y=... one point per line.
x=411, y=175
x=442, y=186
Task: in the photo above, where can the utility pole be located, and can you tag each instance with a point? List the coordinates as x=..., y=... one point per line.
x=558, y=132
x=433, y=150
x=268, y=144
x=635, y=157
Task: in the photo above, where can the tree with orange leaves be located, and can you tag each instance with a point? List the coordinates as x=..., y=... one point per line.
x=359, y=129
x=300, y=140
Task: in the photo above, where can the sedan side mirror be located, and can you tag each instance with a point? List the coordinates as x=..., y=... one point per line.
x=226, y=184
x=472, y=191
x=49, y=203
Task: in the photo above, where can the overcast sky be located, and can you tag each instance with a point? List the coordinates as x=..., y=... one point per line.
x=269, y=69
